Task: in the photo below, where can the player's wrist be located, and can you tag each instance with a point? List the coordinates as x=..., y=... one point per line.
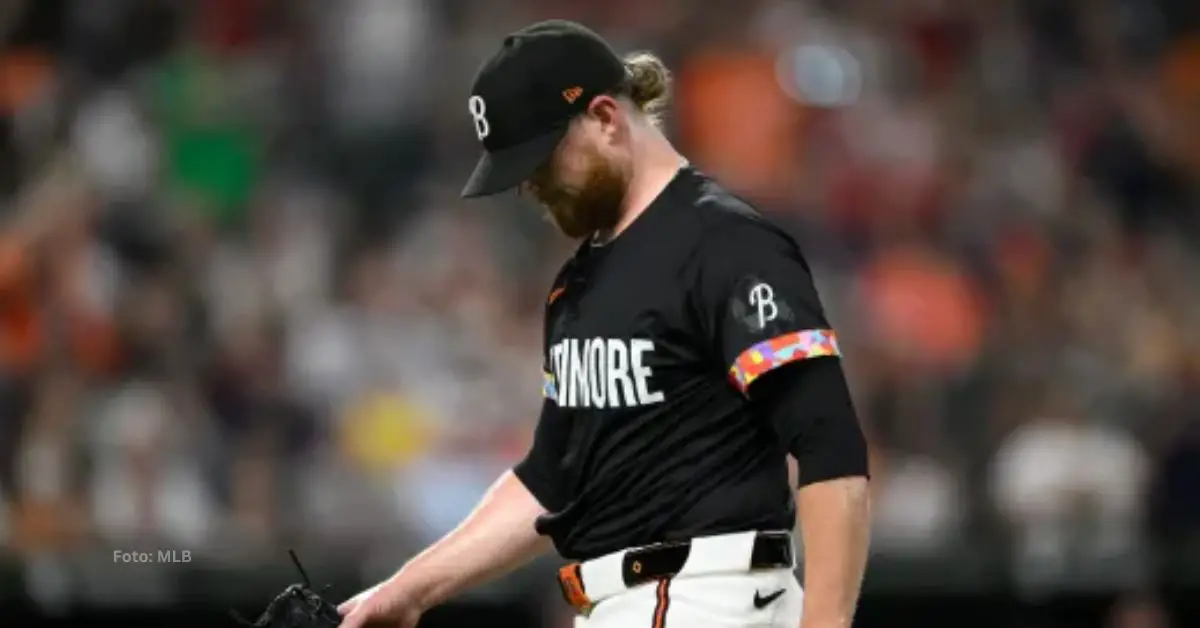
x=403, y=587
x=419, y=588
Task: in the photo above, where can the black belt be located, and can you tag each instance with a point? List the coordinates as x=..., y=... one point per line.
x=772, y=550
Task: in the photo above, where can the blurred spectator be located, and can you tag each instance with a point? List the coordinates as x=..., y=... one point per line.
x=466, y=465
x=146, y=483
x=922, y=311
x=735, y=121
x=920, y=508
x=115, y=147
x=1048, y=484
x=378, y=52
x=58, y=282
x=47, y=511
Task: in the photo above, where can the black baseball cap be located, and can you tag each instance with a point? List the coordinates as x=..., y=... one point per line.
x=525, y=95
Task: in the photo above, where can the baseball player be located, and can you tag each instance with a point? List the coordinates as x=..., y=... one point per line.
x=686, y=356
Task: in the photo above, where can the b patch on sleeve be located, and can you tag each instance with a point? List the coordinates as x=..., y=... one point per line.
x=757, y=306
x=780, y=350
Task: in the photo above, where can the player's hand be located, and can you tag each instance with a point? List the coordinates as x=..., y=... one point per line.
x=386, y=604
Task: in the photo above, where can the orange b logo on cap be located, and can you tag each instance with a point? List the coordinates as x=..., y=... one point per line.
x=572, y=94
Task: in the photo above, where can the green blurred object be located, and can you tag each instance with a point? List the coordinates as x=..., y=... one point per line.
x=210, y=147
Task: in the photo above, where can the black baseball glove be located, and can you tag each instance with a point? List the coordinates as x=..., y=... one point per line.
x=297, y=607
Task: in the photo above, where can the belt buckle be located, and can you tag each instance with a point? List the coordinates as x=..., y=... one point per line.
x=570, y=580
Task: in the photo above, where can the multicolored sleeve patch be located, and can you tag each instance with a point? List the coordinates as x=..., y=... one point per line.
x=549, y=389
x=781, y=350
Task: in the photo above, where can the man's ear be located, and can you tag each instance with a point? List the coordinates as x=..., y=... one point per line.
x=605, y=109
x=608, y=112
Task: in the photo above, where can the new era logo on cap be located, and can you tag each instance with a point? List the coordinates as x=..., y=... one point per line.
x=526, y=94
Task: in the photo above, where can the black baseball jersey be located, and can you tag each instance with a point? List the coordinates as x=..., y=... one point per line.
x=649, y=431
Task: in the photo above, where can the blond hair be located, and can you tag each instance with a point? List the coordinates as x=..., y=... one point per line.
x=647, y=84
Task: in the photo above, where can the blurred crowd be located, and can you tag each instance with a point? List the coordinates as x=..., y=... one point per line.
x=241, y=303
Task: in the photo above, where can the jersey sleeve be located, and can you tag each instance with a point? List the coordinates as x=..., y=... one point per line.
x=756, y=300
x=538, y=470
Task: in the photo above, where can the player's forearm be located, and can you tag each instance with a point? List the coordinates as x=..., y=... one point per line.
x=835, y=524
x=497, y=537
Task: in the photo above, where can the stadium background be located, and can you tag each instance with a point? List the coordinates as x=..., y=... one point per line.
x=242, y=308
